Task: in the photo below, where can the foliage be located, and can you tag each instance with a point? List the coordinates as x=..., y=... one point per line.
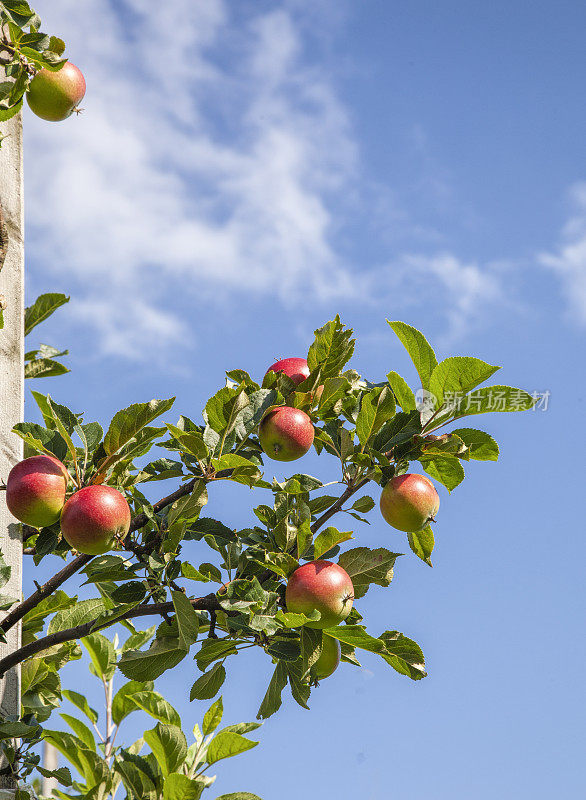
x=42, y=362
x=24, y=50
x=171, y=767
x=373, y=430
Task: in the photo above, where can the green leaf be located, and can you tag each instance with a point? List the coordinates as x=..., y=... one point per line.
x=63, y=775
x=212, y=717
x=123, y=704
x=249, y=417
x=327, y=539
x=56, y=45
x=13, y=730
x=80, y=701
x=190, y=572
x=68, y=745
x=378, y=406
x=241, y=468
x=41, y=309
x=356, y=636
x=129, y=592
x=222, y=413
x=209, y=684
x=147, y=665
x=189, y=508
x=311, y=647
x=34, y=619
x=50, y=409
x=281, y=564
x=155, y=704
x=8, y=113
x=168, y=745
x=93, y=435
x=300, y=688
x=332, y=348
x=334, y=390
x=180, y=787
x=83, y=611
x=272, y=699
x=80, y=730
x=227, y=745
x=403, y=393
x=397, y=430
x=6, y=601
x=239, y=796
x=214, y=649
x=190, y=441
x=403, y=654
x=136, y=782
x=61, y=427
x=129, y=421
x=419, y=350
x=298, y=484
x=366, y=566
x=446, y=469
x=187, y=620
x=422, y=542
x=480, y=445
x=5, y=571
x=457, y=376
x=44, y=368
x=364, y=504
x=243, y=727
x=293, y=619
x=102, y=654
x=136, y=640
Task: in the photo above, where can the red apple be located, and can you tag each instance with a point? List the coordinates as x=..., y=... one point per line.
x=409, y=502
x=93, y=518
x=322, y=586
x=55, y=95
x=329, y=659
x=285, y=433
x=35, y=490
x=294, y=368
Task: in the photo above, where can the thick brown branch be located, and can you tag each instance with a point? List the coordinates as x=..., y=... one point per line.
x=207, y=603
x=43, y=591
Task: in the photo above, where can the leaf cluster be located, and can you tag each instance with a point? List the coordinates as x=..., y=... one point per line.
x=25, y=49
x=373, y=430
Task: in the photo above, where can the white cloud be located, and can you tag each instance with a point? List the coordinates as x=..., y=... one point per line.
x=134, y=331
x=180, y=169
x=461, y=292
x=569, y=261
x=211, y=158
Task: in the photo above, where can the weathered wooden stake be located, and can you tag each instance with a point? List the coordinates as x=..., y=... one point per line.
x=11, y=384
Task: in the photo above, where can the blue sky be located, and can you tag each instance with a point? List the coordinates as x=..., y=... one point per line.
x=244, y=171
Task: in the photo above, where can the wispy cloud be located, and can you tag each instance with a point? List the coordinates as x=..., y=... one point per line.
x=464, y=290
x=211, y=159
x=568, y=262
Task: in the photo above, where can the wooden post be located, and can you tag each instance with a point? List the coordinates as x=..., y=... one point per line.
x=11, y=383
x=50, y=761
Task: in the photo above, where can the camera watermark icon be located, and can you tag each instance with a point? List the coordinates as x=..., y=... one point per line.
x=425, y=401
